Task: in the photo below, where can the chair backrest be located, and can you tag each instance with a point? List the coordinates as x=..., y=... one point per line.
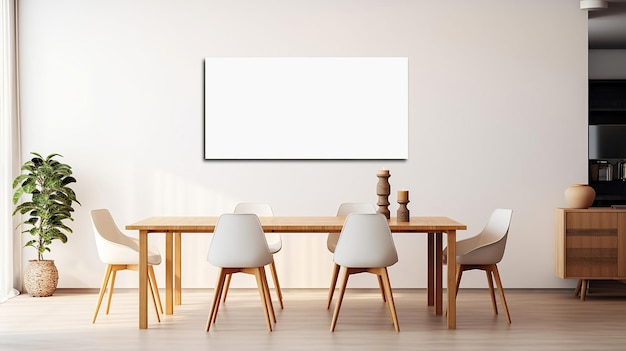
x=104, y=226
x=487, y=247
x=355, y=207
x=114, y=247
x=365, y=242
x=239, y=241
x=497, y=227
x=345, y=209
x=257, y=208
x=260, y=209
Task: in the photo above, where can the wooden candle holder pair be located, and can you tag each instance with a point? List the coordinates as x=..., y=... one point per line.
x=383, y=189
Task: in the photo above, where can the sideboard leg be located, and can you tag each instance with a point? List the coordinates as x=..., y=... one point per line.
x=583, y=289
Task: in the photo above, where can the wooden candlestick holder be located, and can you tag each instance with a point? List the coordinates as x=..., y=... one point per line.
x=383, y=189
x=403, y=211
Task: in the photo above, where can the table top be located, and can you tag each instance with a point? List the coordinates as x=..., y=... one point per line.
x=291, y=224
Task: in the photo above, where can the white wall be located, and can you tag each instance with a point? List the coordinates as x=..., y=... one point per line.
x=497, y=119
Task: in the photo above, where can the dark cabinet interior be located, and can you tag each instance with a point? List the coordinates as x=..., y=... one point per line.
x=607, y=141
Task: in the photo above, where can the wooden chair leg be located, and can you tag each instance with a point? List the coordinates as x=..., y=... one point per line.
x=154, y=301
x=333, y=282
x=492, y=293
x=496, y=274
x=382, y=288
x=459, y=273
x=268, y=296
x=226, y=286
x=222, y=291
x=109, y=279
x=276, y=283
x=152, y=277
x=103, y=288
x=216, y=298
x=384, y=278
x=342, y=291
x=260, y=272
x=389, y=308
x=114, y=269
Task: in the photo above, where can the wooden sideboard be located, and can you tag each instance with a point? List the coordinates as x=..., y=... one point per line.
x=590, y=244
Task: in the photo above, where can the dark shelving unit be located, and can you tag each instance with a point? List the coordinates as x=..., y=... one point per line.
x=607, y=108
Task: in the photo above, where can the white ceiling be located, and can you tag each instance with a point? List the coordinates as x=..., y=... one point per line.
x=607, y=28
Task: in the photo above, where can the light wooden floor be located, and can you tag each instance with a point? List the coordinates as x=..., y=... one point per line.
x=542, y=320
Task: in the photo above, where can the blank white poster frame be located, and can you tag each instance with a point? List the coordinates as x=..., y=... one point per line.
x=307, y=108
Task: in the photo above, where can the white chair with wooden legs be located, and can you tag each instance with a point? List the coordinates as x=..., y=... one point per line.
x=274, y=242
x=239, y=246
x=366, y=246
x=332, y=239
x=484, y=251
x=120, y=252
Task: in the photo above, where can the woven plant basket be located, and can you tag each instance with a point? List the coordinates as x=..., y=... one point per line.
x=41, y=278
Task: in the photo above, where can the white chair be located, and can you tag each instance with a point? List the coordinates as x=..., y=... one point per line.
x=239, y=246
x=366, y=245
x=274, y=242
x=484, y=251
x=120, y=252
x=331, y=241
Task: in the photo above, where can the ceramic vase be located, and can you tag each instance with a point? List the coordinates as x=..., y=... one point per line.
x=41, y=278
x=579, y=196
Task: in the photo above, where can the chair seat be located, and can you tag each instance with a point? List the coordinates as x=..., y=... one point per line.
x=126, y=254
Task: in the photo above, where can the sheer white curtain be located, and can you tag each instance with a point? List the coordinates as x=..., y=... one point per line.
x=9, y=148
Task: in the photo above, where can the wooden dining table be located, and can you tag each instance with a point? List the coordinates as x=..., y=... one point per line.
x=174, y=226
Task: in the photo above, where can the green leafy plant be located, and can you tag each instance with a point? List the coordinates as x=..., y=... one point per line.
x=46, y=181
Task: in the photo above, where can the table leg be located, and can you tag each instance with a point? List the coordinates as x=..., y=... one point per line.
x=451, y=257
x=178, y=268
x=430, y=290
x=438, y=274
x=143, y=279
x=169, y=273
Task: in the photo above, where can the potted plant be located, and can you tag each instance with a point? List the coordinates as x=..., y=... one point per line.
x=46, y=180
